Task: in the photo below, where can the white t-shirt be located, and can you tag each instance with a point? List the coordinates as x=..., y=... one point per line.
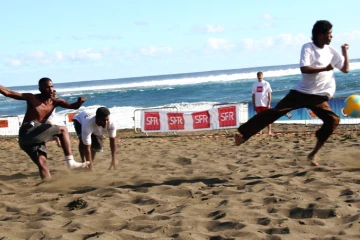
x=261, y=91
x=322, y=83
x=88, y=127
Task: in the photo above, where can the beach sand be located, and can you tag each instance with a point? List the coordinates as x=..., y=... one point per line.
x=188, y=186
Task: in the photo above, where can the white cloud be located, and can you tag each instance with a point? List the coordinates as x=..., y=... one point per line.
x=266, y=25
x=282, y=40
x=291, y=40
x=219, y=44
x=214, y=29
x=353, y=35
x=43, y=58
x=209, y=28
x=268, y=16
x=84, y=54
x=155, y=51
x=12, y=62
x=247, y=43
x=59, y=56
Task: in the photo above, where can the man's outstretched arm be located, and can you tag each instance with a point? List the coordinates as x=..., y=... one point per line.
x=12, y=94
x=64, y=104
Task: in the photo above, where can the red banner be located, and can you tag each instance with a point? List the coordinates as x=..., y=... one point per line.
x=4, y=124
x=201, y=119
x=71, y=116
x=176, y=121
x=152, y=121
x=227, y=116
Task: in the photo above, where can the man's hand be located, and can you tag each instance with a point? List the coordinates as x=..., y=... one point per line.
x=329, y=67
x=81, y=99
x=113, y=164
x=344, y=48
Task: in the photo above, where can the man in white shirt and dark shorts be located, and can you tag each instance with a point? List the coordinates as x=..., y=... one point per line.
x=317, y=86
x=90, y=129
x=261, y=96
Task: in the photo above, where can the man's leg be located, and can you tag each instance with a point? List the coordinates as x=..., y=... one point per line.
x=39, y=158
x=81, y=150
x=93, y=154
x=65, y=140
x=331, y=121
x=96, y=145
x=66, y=146
x=58, y=141
x=43, y=167
x=78, y=130
x=269, y=129
x=292, y=100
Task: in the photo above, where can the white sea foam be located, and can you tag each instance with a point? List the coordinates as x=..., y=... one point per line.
x=168, y=83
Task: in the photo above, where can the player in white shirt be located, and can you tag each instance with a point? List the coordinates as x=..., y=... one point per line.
x=317, y=86
x=90, y=129
x=261, y=96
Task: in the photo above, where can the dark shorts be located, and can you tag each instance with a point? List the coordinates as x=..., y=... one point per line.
x=34, y=135
x=96, y=141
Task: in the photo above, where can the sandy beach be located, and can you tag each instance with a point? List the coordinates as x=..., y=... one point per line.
x=189, y=186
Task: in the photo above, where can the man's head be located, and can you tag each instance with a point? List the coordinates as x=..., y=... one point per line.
x=260, y=76
x=322, y=33
x=46, y=87
x=102, y=116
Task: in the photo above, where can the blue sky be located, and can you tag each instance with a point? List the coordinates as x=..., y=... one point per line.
x=91, y=40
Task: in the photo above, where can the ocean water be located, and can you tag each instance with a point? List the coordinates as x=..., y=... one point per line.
x=187, y=91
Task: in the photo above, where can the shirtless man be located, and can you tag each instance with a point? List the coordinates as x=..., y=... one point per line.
x=35, y=132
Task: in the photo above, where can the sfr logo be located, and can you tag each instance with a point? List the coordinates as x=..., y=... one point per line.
x=227, y=116
x=152, y=121
x=176, y=121
x=201, y=119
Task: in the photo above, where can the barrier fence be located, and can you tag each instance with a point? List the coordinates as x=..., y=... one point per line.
x=69, y=122
x=221, y=116
x=9, y=125
x=137, y=115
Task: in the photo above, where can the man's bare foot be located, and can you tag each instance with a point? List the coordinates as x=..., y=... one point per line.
x=270, y=133
x=312, y=158
x=238, y=139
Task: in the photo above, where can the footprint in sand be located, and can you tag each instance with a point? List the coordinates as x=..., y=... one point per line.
x=77, y=204
x=184, y=161
x=217, y=215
